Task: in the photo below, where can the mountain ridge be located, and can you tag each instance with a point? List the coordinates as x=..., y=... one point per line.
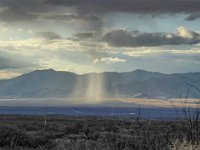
x=136, y=70
x=138, y=83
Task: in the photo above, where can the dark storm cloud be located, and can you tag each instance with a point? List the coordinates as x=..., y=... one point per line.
x=90, y=10
x=135, y=6
x=26, y=10
x=15, y=14
x=123, y=38
x=48, y=35
x=20, y=10
x=71, y=17
x=94, y=22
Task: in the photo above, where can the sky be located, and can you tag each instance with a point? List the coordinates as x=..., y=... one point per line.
x=84, y=36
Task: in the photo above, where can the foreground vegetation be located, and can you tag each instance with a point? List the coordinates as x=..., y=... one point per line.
x=94, y=133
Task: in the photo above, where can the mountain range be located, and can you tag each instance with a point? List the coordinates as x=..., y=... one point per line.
x=138, y=84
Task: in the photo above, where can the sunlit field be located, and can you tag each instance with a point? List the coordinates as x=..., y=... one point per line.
x=113, y=102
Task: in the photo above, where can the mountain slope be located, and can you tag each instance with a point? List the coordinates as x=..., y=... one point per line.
x=139, y=83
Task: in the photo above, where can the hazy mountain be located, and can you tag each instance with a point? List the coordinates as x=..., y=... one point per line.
x=139, y=83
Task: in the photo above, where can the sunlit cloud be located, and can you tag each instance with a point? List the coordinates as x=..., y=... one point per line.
x=109, y=60
x=5, y=74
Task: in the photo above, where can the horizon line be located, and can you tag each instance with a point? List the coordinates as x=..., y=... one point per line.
x=51, y=69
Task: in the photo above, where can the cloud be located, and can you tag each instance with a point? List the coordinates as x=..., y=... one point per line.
x=193, y=17
x=123, y=38
x=7, y=74
x=6, y=63
x=141, y=53
x=83, y=36
x=178, y=50
x=70, y=17
x=15, y=15
x=48, y=35
x=13, y=61
x=109, y=60
x=23, y=10
x=36, y=53
x=91, y=10
x=183, y=32
x=63, y=54
x=3, y=28
x=132, y=6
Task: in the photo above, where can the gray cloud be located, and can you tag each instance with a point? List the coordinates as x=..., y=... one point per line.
x=21, y=10
x=82, y=36
x=136, y=6
x=26, y=10
x=15, y=14
x=6, y=63
x=48, y=35
x=123, y=38
x=91, y=10
x=11, y=61
x=193, y=16
x=71, y=17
